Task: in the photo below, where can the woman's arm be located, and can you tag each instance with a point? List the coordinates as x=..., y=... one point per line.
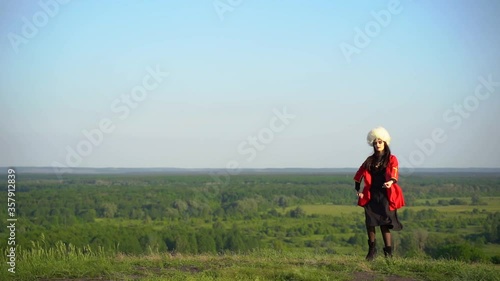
x=359, y=174
x=357, y=179
x=394, y=168
x=393, y=172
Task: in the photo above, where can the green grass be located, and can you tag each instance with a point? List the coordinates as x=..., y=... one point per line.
x=492, y=249
x=66, y=263
x=61, y=261
x=328, y=209
x=336, y=210
x=492, y=204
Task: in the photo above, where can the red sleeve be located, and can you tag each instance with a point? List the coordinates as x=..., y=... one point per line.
x=394, y=166
x=359, y=174
x=395, y=194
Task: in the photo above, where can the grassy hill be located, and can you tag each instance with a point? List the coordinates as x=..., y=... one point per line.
x=69, y=263
x=282, y=227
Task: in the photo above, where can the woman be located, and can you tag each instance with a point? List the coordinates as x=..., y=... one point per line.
x=381, y=195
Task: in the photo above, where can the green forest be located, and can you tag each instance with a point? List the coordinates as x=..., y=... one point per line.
x=448, y=216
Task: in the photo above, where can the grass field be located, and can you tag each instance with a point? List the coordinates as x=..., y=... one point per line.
x=242, y=237
x=328, y=209
x=74, y=264
x=493, y=205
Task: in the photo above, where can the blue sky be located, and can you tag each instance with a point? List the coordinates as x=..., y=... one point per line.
x=67, y=66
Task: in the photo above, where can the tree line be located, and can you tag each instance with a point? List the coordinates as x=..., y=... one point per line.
x=195, y=214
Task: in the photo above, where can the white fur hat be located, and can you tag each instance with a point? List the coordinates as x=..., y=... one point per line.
x=378, y=133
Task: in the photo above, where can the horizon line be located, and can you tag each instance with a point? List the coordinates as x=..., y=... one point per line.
x=224, y=168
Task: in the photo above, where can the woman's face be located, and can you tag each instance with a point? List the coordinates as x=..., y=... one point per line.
x=379, y=145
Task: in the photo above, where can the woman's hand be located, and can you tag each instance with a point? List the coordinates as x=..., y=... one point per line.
x=360, y=195
x=388, y=184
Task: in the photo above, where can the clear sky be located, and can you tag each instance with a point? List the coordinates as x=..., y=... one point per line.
x=207, y=84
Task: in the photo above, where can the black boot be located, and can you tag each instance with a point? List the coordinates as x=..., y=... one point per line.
x=388, y=252
x=372, y=250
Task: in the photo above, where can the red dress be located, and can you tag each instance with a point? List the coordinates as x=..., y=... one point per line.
x=381, y=203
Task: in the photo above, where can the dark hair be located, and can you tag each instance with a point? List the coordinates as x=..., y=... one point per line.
x=386, y=154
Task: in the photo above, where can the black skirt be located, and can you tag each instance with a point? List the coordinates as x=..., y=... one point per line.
x=377, y=211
